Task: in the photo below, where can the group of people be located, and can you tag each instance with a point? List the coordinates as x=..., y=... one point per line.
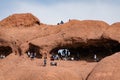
x=52, y=63
x=60, y=23
x=63, y=54
x=32, y=55
x=2, y=56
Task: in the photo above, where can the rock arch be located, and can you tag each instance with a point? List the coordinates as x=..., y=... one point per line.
x=34, y=49
x=86, y=50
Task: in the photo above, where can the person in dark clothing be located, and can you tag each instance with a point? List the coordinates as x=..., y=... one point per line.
x=45, y=61
x=32, y=55
x=96, y=59
x=52, y=58
x=61, y=22
x=58, y=23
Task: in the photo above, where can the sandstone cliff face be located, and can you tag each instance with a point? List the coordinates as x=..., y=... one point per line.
x=71, y=33
x=18, y=30
x=21, y=31
x=48, y=37
x=113, y=32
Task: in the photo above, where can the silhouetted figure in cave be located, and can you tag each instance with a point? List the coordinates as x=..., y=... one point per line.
x=96, y=59
x=63, y=54
x=32, y=55
x=2, y=56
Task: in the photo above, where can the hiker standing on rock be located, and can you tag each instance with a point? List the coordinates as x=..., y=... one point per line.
x=45, y=60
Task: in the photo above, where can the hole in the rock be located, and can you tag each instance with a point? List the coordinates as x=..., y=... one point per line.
x=34, y=51
x=93, y=50
x=37, y=22
x=5, y=51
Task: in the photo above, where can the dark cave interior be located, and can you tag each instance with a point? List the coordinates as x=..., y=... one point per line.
x=86, y=51
x=34, y=49
x=5, y=51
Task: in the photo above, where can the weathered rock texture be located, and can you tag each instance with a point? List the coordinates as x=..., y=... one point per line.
x=20, y=31
x=17, y=20
x=107, y=69
x=14, y=31
x=71, y=33
x=48, y=37
x=113, y=32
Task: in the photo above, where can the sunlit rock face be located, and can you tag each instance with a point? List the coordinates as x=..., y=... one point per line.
x=21, y=33
x=17, y=20
x=87, y=35
x=107, y=69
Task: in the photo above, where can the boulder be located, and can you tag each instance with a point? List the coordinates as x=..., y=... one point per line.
x=107, y=69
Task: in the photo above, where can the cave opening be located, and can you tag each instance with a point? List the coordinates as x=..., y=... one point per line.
x=5, y=51
x=37, y=22
x=90, y=50
x=35, y=50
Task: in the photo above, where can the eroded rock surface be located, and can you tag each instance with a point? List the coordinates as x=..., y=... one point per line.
x=20, y=32
x=107, y=69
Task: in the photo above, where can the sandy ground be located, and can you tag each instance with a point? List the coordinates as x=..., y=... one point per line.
x=22, y=68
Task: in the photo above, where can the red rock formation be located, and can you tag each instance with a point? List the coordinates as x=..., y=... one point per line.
x=47, y=37
x=113, y=32
x=107, y=69
x=17, y=20
x=71, y=33
x=20, y=30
